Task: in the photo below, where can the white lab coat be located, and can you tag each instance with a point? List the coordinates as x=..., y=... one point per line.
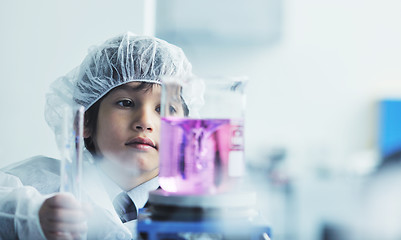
x=30, y=183
x=19, y=206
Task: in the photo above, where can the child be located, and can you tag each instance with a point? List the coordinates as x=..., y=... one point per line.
x=118, y=83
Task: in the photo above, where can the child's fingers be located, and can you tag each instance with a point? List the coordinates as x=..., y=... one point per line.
x=73, y=228
x=58, y=236
x=65, y=215
x=62, y=200
x=64, y=231
x=63, y=236
x=61, y=214
x=62, y=217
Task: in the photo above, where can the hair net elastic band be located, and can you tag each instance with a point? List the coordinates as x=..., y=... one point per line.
x=154, y=81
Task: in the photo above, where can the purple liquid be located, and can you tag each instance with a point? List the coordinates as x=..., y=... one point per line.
x=194, y=154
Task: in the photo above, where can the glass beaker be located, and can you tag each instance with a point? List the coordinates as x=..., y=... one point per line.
x=202, y=134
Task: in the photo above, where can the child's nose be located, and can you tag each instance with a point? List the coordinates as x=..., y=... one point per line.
x=144, y=122
x=143, y=127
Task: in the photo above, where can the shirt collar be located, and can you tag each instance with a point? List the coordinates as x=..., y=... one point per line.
x=139, y=194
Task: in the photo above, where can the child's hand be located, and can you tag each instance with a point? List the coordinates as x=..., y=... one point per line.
x=63, y=217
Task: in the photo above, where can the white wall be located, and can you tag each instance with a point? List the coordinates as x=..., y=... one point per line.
x=40, y=41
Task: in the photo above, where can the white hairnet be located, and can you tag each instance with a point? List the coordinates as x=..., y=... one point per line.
x=125, y=58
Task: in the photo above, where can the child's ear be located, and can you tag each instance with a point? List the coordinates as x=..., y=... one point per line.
x=87, y=132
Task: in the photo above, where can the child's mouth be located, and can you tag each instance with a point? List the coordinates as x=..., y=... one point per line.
x=141, y=143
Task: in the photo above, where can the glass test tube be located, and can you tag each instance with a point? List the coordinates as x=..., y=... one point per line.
x=72, y=145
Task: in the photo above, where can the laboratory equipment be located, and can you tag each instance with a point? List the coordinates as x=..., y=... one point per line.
x=202, y=147
x=229, y=215
x=71, y=150
x=201, y=165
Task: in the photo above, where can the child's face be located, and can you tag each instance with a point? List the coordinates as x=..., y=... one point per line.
x=128, y=127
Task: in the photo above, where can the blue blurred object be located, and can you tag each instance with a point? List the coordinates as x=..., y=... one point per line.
x=149, y=229
x=389, y=127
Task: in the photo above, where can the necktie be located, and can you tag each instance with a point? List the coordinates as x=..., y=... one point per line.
x=125, y=207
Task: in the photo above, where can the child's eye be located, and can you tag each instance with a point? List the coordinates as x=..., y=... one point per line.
x=172, y=110
x=158, y=109
x=125, y=103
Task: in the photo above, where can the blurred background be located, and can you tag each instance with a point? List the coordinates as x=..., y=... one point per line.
x=323, y=100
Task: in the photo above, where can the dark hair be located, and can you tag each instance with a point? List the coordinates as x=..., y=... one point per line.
x=91, y=116
x=90, y=124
